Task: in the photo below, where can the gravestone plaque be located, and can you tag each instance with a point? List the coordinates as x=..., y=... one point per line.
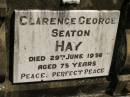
x=59, y=45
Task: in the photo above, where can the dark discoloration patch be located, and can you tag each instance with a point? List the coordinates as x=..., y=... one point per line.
x=2, y=76
x=2, y=94
x=2, y=50
x=10, y=42
x=3, y=7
